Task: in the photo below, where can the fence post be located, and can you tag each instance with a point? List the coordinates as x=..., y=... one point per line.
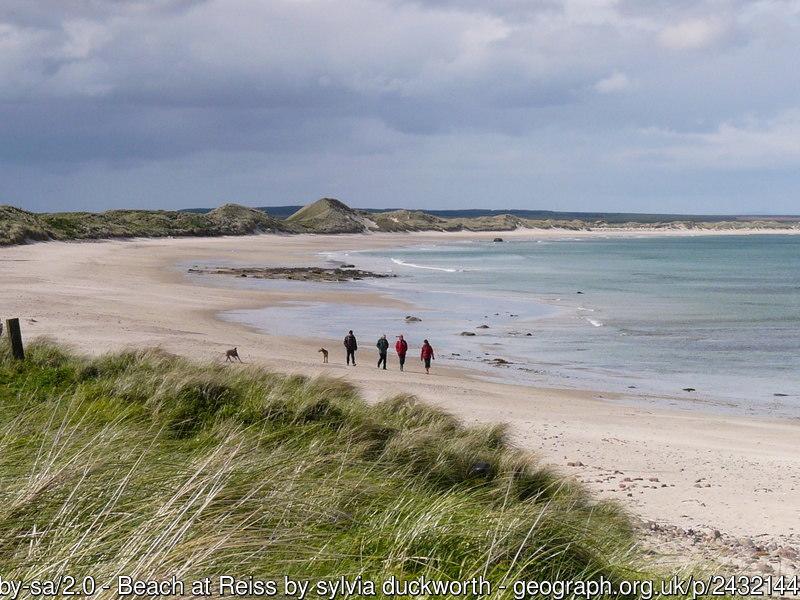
x=15, y=337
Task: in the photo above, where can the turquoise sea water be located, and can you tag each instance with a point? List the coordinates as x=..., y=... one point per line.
x=720, y=314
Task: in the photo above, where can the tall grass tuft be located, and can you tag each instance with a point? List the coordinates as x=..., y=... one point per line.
x=144, y=464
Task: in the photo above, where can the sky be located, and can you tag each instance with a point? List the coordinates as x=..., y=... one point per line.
x=583, y=105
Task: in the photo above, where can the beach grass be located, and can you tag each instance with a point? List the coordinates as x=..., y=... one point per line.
x=145, y=464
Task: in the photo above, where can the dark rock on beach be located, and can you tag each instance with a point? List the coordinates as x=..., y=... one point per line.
x=468, y=333
x=293, y=273
x=412, y=319
x=500, y=361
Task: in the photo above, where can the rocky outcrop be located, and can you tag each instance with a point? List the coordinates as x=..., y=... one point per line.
x=292, y=273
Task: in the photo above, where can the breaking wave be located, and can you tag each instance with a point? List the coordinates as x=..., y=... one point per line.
x=397, y=261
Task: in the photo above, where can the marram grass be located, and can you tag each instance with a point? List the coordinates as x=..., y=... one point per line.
x=144, y=464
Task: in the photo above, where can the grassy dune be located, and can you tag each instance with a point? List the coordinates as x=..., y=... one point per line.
x=326, y=215
x=144, y=464
x=19, y=226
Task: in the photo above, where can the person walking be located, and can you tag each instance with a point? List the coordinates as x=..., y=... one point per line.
x=351, y=345
x=401, y=347
x=383, y=348
x=426, y=355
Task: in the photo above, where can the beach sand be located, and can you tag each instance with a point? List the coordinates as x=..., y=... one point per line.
x=687, y=472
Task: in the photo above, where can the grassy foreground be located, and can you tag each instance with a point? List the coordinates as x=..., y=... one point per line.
x=144, y=464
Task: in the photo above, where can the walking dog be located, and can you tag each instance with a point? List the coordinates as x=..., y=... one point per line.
x=324, y=355
x=231, y=354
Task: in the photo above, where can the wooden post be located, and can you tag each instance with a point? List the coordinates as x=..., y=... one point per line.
x=15, y=337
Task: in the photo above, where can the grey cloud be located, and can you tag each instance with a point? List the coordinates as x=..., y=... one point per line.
x=505, y=8
x=105, y=87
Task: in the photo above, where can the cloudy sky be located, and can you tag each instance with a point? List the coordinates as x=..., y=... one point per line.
x=616, y=105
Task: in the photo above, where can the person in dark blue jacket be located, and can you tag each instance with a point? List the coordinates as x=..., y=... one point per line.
x=351, y=345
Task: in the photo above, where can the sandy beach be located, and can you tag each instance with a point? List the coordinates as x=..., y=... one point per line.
x=711, y=485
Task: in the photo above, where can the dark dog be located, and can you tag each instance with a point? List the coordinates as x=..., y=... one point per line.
x=324, y=355
x=231, y=354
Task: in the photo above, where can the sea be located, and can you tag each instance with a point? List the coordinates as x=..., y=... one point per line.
x=709, y=323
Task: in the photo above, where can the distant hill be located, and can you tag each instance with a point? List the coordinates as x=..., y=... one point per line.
x=278, y=212
x=415, y=220
x=329, y=215
x=410, y=220
x=18, y=226
x=282, y=212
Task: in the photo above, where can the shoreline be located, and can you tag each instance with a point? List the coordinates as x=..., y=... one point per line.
x=735, y=474
x=494, y=351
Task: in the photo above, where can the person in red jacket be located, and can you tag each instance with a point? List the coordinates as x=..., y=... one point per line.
x=401, y=347
x=426, y=355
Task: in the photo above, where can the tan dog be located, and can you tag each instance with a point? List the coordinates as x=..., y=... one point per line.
x=324, y=355
x=231, y=354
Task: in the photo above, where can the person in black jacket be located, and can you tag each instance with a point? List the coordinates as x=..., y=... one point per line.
x=351, y=346
x=383, y=348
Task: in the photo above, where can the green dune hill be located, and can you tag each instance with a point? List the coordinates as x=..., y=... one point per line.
x=329, y=215
x=18, y=226
x=326, y=216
